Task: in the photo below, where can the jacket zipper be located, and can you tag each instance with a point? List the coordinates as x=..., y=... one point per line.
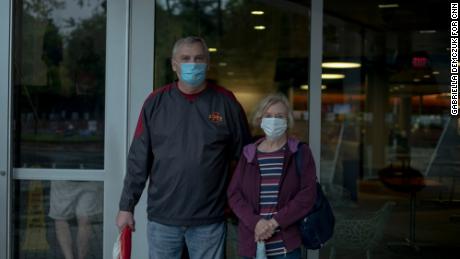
x=258, y=180
x=283, y=176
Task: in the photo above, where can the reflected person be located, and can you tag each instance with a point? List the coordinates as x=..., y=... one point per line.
x=187, y=134
x=266, y=192
x=71, y=200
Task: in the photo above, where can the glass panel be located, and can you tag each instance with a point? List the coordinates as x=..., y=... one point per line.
x=59, y=83
x=57, y=219
x=389, y=158
x=253, y=54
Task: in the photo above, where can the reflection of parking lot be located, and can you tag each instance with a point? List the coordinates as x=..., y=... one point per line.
x=66, y=156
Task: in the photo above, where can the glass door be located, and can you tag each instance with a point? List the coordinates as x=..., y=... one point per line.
x=60, y=166
x=57, y=142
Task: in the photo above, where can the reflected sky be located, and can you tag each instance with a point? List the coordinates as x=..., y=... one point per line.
x=65, y=14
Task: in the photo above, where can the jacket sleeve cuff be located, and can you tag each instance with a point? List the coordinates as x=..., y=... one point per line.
x=126, y=207
x=281, y=222
x=252, y=221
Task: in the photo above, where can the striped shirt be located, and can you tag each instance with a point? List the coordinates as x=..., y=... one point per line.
x=271, y=169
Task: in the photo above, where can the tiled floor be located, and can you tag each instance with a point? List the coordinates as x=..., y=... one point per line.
x=436, y=226
x=49, y=247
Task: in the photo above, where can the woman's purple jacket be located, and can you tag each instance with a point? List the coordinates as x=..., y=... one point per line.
x=296, y=195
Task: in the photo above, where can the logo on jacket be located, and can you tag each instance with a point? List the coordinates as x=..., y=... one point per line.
x=215, y=117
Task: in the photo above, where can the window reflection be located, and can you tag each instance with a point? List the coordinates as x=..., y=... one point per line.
x=59, y=83
x=388, y=140
x=58, y=219
x=249, y=61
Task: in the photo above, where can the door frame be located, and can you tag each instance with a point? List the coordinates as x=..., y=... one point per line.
x=5, y=165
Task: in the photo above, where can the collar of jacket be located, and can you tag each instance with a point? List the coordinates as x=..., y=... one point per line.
x=249, y=151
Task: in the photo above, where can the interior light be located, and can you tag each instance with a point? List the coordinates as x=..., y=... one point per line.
x=416, y=80
x=257, y=12
x=332, y=76
x=341, y=65
x=388, y=6
x=222, y=64
x=231, y=73
x=212, y=49
x=427, y=31
x=305, y=87
x=435, y=72
x=259, y=27
x=426, y=76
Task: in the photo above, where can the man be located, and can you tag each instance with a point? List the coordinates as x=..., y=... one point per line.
x=187, y=134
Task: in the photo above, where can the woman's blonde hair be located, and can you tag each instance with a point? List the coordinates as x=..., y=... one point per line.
x=266, y=103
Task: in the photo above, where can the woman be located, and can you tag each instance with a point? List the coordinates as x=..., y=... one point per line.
x=266, y=192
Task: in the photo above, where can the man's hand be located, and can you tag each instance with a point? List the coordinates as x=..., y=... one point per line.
x=125, y=218
x=263, y=230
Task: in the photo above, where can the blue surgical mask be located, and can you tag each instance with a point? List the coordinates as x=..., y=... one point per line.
x=193, y=74
x=273, y=127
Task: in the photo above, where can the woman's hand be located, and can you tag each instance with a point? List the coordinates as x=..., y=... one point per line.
x=273, y=224
x=264, y=229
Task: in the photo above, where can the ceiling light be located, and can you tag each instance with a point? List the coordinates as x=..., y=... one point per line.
x=212, y=49
x=257, y=12
x=259, y=27
x=305, y=87
x=416, y=80
x=332, y=76
x=341, y=65
x=231, y=73
x=426, y=76
x=388, y=6
x=427, y=31
x=222, y=64
x=435, y=72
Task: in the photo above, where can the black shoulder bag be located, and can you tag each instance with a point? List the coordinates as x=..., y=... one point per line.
x=317, y=226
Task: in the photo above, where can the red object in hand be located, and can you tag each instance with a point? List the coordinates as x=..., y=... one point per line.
x=125, y=243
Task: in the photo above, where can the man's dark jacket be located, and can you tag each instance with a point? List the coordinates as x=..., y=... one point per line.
x=184, y=145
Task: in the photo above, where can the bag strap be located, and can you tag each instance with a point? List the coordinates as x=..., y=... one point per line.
x=298, y=159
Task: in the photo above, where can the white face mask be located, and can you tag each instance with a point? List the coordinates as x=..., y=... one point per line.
x=273, y=127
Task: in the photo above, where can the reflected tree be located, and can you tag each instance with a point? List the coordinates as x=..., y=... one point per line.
x=52, y=54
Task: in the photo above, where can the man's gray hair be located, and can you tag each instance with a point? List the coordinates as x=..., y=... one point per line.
x=190, y=40
x=268, y=101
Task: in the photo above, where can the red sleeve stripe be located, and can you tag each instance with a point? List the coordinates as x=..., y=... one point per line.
x=139, y=127
x=140, y=123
